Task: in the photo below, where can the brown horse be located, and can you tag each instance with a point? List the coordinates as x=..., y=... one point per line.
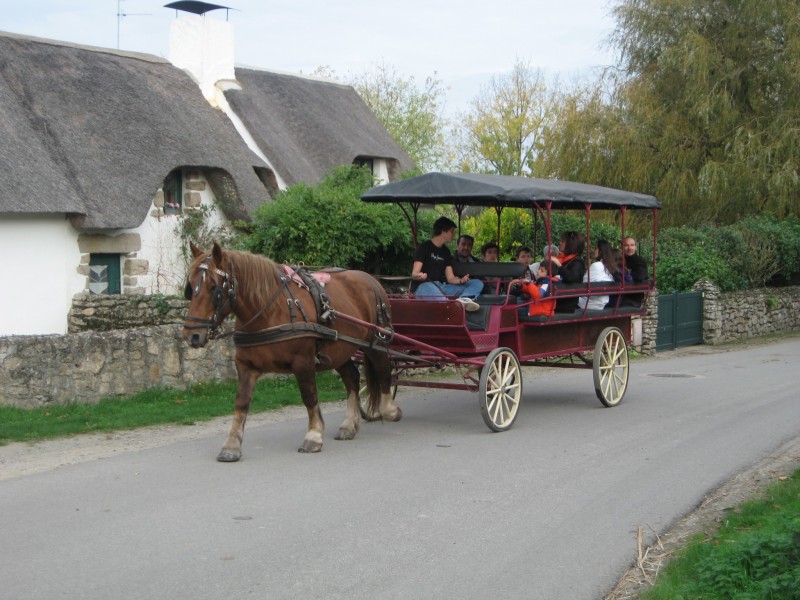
x=285, y=324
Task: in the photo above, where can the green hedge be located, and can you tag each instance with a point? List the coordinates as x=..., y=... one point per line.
x=754, y=252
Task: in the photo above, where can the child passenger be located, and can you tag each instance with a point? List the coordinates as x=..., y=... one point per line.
x=539, y=290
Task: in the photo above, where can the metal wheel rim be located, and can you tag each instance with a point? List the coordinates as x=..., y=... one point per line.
x=610, y=366
x=500, y=389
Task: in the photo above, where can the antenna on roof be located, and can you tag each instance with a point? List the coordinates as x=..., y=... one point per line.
x=122, y=14
x=196, y=7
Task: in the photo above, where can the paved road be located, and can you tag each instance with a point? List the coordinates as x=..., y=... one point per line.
x=434, y=506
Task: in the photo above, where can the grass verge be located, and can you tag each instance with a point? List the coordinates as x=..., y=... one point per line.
x=157, y=406
x=754, y=554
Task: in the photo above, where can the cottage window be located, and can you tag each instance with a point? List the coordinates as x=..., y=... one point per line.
x=104, y=273
x=173, y=192
x=362, y=161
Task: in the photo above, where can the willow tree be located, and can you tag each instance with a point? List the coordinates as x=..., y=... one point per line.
x=703, y=110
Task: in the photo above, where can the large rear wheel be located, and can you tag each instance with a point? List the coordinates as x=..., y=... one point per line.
x=500, y=389
x=610, y=366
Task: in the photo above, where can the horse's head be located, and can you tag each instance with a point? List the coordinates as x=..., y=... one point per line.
x=211, y=291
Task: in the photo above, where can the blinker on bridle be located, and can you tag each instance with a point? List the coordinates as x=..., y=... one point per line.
x=221, y=295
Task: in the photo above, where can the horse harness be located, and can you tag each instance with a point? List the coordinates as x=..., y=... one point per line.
x=221, y=296
x=225, y=293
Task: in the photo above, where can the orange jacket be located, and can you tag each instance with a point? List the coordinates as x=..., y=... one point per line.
x=534, y=290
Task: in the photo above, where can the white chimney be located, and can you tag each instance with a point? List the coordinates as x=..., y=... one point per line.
x=203, y=47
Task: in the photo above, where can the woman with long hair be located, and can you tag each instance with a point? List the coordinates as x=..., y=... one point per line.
x=571, y=267
x=601, y=271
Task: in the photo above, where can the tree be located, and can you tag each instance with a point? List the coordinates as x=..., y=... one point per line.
x=412, y=114
x=503, y=129
x=702, y=111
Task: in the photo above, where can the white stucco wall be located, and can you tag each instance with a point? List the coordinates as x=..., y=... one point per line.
x=161, y=248
x=39, y=274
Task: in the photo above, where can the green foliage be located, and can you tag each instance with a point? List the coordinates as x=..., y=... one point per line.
x=503, y=131
x=754, y=555
x=751, y=253
x=410, y=113
x=702, y=110
x=517, y=229
x=328, y=225
x=196, y=225
x=680, y=268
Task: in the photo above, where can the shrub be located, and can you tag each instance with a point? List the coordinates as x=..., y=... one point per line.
x=329, y=225
x=680, y=268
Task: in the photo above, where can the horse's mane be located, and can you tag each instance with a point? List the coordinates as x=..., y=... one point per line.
x=256, y=275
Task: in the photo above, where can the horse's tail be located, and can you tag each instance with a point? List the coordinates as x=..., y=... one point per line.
x=373, y=386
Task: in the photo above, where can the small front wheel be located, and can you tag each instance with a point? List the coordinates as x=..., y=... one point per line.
x=610, y=366
x=500, y=389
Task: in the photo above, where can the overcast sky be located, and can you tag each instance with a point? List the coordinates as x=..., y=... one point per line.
x=462, y=42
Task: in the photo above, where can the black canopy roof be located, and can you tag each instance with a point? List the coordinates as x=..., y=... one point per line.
x=474, y=189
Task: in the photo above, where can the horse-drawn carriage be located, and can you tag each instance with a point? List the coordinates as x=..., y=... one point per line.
x=286, y=321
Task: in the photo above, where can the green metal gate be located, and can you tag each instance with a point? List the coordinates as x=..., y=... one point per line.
x=680, y=320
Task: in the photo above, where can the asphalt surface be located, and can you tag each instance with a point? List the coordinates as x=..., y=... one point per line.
x=434, y=506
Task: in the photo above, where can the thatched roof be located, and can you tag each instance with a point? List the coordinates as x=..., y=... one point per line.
x=305, y=126
x=93, y=132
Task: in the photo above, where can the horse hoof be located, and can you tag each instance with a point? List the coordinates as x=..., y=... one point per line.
x=309, y=447
x=226, y=455
x=396, y=416
x=345, y=434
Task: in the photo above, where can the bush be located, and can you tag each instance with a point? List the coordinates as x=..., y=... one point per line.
x=329, y=225
x=751, y=253
x=679, y=270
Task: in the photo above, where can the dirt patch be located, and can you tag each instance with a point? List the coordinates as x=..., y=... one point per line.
x=706, y=518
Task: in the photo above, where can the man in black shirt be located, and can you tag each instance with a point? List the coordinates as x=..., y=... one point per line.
x=432, y=272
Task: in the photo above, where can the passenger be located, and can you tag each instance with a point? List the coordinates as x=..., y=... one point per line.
x=571, y=267
x=620, y=276
x=550, y=251
x=464, y=249
x=537, y=290
x=490, y=252
x=602, y=270
x=524, y=256
x=432, y=272
x=637, y=267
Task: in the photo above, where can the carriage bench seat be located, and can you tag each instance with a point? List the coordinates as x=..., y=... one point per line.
x=578, y=314
x=495, y=276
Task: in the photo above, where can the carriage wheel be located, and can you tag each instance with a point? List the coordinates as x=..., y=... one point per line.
x=500, y=389
x=610, y=366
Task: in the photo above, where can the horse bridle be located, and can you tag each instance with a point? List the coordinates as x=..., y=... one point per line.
x=222, y=295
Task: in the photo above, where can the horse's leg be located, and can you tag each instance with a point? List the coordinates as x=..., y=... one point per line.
x=378, y=371
x=232, y=449
x=352, y=418
x=306, y=380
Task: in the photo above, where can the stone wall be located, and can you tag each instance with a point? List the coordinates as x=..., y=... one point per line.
x=85, y=367
x=103, y=312
x=734, y=316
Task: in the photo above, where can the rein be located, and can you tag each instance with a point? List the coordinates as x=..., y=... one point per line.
x=225, y=295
